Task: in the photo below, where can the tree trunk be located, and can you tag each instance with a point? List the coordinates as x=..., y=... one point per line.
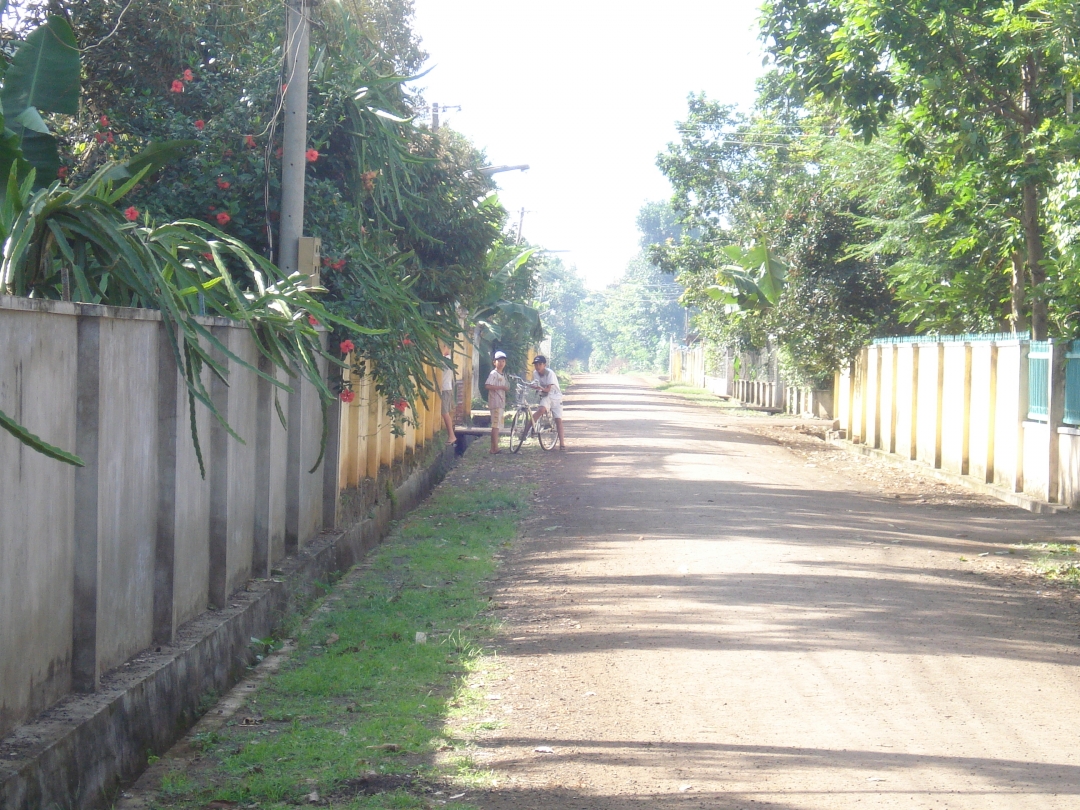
x=1029, y=214
x=1018, y=318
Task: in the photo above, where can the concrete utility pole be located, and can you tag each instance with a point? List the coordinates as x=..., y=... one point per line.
x=294, y=160
x=521, y=224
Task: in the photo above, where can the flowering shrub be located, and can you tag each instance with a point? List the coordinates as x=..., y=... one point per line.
x=395, y=206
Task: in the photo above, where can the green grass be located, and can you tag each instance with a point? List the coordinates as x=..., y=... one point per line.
x=703, y=397
x=1056, y=561
x=360, y=696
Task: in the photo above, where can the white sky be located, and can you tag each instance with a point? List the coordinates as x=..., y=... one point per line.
x=587, y=92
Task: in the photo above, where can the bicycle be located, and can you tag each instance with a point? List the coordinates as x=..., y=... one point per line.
x=524, y=424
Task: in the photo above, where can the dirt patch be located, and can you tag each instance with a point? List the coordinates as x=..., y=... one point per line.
x=900, y=479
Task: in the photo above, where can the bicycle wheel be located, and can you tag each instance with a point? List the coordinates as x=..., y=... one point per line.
x=517, y=430
x=546, y=432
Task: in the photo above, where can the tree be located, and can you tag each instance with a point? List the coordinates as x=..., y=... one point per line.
x=963, y=84
x=561, y=293
x=405, y=218
x=767, y=181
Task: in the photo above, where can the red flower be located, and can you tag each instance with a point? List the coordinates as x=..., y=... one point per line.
x=177, y=86
x=188, y=75
x=228, y=153
x=325, y=261
x=222, y=184
x=208, y=256
x=109, y=138
x=99, y=137
x=104, y=120
x=62, y=172
x=131, y=214
x=212, y=208
x=312, y=155
x=400, y=406
x=338, y=265
x=406, y=342
x=200, y=124
x=249, y=141
x=222, y=218
x=348, y=396
x=279, y=152
x=347, y=346
x=312, y=320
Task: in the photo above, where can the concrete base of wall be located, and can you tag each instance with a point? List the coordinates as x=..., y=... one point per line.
x=1020, y=499
x=77, y=754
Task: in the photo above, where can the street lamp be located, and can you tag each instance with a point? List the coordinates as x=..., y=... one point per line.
x=487, y=171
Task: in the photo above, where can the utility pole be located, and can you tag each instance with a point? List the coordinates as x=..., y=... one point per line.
x=521, y=223
x=294, y=159
x=435, y=113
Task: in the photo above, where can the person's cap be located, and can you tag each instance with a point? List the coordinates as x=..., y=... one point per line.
x=500, y=355
x=539, y=359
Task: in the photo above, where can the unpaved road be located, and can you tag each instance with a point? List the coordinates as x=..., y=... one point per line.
x=698, y=618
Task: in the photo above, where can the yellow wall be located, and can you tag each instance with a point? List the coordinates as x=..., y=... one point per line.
x=962, y=408
x=367, y=440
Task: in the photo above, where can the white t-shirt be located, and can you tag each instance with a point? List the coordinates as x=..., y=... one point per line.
x=447, y=377
x=548, y=378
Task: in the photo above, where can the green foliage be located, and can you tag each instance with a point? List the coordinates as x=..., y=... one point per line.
x=43, y=77
x=562, y=293
x=972, y=92
x=769, y=180
x=405, y=219
x=630, y=323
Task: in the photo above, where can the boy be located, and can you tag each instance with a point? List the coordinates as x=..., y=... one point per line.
x=446, y=394
x=550, y=394
x=497, y=385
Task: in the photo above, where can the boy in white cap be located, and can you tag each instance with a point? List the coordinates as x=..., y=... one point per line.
x=497, y=385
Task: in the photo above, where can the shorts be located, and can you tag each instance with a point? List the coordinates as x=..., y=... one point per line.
x=553, y=405
x=497, y=417
x=446, y=399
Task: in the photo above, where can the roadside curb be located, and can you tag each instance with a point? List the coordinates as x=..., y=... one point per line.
x=78, y=753
x=1015, y=498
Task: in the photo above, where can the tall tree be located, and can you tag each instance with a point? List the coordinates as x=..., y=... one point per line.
x=961, y=83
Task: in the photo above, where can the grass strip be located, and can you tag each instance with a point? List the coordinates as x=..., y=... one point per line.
x=704, y=397
x=355, y=718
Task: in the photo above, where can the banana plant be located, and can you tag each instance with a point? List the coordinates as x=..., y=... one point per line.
x=43, y=77
x=493, y=301
x=752, y=282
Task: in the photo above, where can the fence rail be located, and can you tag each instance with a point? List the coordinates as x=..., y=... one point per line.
x=971, y=337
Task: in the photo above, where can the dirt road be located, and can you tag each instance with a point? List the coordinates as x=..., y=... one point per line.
x=698, y=617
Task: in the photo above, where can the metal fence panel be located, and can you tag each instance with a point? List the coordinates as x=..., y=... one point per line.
x=1039, y=381
x=1072, y=384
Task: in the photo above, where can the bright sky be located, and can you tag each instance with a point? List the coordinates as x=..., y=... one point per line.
x=587, y=92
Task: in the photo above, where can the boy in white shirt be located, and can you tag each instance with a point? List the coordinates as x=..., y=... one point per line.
x=550, y=394
x=497, y=385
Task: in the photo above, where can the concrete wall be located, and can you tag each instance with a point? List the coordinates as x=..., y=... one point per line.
x=962, y=407
x=100, y=563
x=37, y=388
